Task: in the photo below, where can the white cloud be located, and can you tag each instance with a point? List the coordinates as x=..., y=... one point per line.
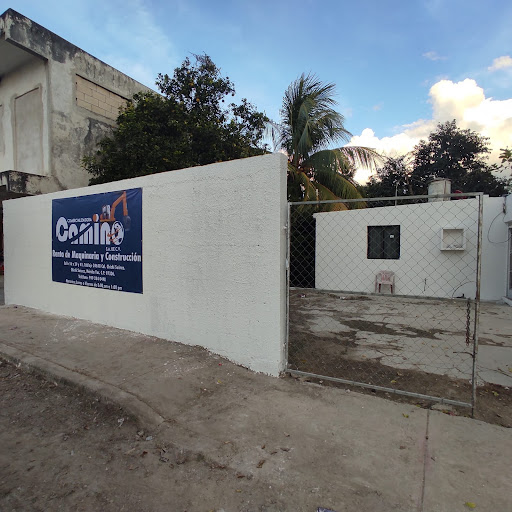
x=131, y=39
x=501, y=63
x=433, y=56
x=127, y=34
x=463, y=101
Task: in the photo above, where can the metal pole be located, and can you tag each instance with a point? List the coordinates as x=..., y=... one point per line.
x=380, y=388
x=288, y=237
x=461, y=195
x=474, y=376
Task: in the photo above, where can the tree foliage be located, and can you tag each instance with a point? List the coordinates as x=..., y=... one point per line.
x=450, y=152
x=506, y=158
x=190, y=123
x=506, y=155
x=309, y=127
x=392, y=179
x=461, y=156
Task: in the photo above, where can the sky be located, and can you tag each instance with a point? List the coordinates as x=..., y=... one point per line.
x=400, y=66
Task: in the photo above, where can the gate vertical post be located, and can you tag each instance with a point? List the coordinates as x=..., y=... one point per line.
x=288, y=228
x=474, y=372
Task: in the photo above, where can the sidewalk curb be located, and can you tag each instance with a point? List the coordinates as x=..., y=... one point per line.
x=145, y=416
x=141, y=411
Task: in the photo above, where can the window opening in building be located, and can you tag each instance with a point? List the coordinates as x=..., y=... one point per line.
x=383, y=243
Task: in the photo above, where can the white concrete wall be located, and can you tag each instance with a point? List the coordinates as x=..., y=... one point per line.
x=494, y=250
x=213, y=269
x=423, y=268
x=508, y=209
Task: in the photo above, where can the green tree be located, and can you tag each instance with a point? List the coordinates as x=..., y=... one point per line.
x=461, y=156
x=188, y=124
x=392, y=179
x=309, y=127
x=506, y=157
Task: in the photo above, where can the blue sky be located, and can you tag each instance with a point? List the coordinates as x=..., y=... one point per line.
x=400, y=66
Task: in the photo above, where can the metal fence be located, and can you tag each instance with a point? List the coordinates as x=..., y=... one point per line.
x=384, y=294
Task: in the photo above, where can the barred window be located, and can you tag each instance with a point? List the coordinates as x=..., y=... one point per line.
x=383, y=243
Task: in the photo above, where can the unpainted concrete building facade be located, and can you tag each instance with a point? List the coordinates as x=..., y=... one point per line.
x=56, y=102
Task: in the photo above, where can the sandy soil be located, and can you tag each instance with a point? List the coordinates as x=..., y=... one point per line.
x=64, y=449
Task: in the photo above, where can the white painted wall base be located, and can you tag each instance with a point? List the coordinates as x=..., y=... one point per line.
x=214, y=250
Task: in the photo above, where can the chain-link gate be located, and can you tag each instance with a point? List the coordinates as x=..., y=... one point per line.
x=384, y=293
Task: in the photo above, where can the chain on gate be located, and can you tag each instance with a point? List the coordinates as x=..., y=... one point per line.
x=468, y=322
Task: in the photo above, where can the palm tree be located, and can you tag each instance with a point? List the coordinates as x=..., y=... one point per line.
x=309, y=125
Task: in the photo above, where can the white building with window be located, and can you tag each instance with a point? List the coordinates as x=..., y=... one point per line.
x=432, y=248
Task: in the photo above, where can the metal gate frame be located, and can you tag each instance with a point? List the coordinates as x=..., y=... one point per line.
x=476, y=301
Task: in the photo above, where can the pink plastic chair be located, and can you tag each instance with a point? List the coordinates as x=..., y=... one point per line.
x=385, y=277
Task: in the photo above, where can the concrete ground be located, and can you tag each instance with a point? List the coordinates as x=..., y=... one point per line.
x=427, y=335
x=310, y=446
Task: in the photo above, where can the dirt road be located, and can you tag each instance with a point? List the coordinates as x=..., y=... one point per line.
x=63, y=449
x=254, y=443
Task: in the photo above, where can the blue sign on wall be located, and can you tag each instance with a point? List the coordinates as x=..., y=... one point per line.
x=97, y=240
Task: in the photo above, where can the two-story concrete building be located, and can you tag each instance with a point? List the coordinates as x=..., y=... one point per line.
x=56, y=102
